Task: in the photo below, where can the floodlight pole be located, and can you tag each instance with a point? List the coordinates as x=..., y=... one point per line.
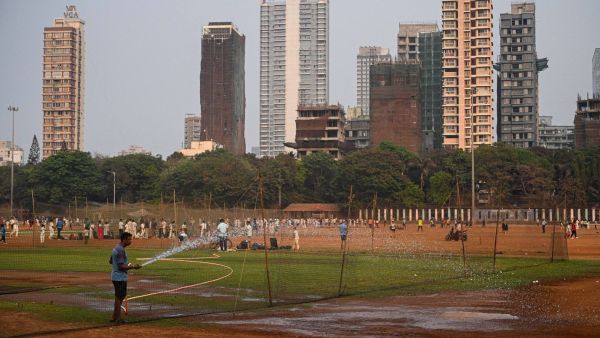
x=12, y=160
x=472, y=173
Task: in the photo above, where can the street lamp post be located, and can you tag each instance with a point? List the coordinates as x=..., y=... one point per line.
x=472, y=172
x=12, y=161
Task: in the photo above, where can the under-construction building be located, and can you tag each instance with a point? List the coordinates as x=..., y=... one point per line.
x=319, y=128
x=587, y=122
x=222, y=86
x=395, y=105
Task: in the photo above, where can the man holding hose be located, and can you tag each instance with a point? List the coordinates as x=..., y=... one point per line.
x=120, y=267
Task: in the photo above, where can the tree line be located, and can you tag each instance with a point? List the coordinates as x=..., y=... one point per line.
x=387, y=175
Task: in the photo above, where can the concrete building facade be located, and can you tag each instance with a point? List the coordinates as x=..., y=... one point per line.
x=63, y=85
x=596, y=72
x=134, y=150
x=396, y=105
x=294, y=67
x=366, y=57
x=587, y=122
x=467, y=75
x=6, y=156
x=222, y=86
x=408, y=39
x=320, y=128
x=357, y=128
x=518, y=69
x=555, y=137
x=192, y=130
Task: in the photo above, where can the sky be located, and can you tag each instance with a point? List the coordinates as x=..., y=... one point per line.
x=143, y=60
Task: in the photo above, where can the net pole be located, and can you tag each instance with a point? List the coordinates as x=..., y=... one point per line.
x=496, y=238
x=33, y=220
x=262, y=210
x=344, y=244
x=553, y=239
x=373, y=225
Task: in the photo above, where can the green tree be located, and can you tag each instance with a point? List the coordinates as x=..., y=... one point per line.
x=412, y=196
x=321, y=171
x=373, y=171
x=64, y=175
x=34, y=152
x=231, y=179
x=137, y=177
x=440, y=188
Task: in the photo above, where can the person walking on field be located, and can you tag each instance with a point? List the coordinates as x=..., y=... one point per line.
x=59, y=226
x=574, y=230
x=343, y=234
x=42, y=232
x=544, y=223
x=222, y=234
x=120, y=267
x=2, y=230
x=296, y=240
x=14, y=225
x=420, y=224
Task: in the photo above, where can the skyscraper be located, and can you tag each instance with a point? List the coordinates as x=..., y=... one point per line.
x=518, y=103
x=192, y=130
x=294, y=63
x=408, y=39
x=366, y=57
x=222, y=86
x=430, y=56
x=467, y=72
x=422, y=42
x=396, y=105
x=596, y=72
x=63, y=86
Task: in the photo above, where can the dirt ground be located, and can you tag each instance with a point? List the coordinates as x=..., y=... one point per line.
x=568, y=308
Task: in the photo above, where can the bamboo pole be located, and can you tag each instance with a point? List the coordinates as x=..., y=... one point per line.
x=496, y=237
x=262, y=209
x=344, y=244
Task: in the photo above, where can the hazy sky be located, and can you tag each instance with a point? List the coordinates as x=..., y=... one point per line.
x=143, y=60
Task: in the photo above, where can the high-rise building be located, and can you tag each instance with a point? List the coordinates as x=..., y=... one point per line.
x=294, y=63
x=587, y=122
x=518, y=68
x=596, y=72
x=467, y=75
x=6, y=157
x=430, y=56
x=357, y=128
x=222, y=86
x=554, y=136
x=396, y=105
x=366, y=57
x=192, y=130
x=408, y=39
x=320, y=128
x=63, y=86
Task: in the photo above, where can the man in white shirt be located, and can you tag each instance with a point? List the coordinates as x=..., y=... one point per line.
x=222, y=234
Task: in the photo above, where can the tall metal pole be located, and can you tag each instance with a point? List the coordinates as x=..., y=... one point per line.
x=12, y=161
x=472, y=173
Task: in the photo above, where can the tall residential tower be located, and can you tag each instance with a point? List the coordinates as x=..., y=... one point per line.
x=518, y=103
x=596, y=72
x=467, y=77
x=294, y=64
x=63, y=86
x=408, y=39
x=222, y=86
x=366, y=57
